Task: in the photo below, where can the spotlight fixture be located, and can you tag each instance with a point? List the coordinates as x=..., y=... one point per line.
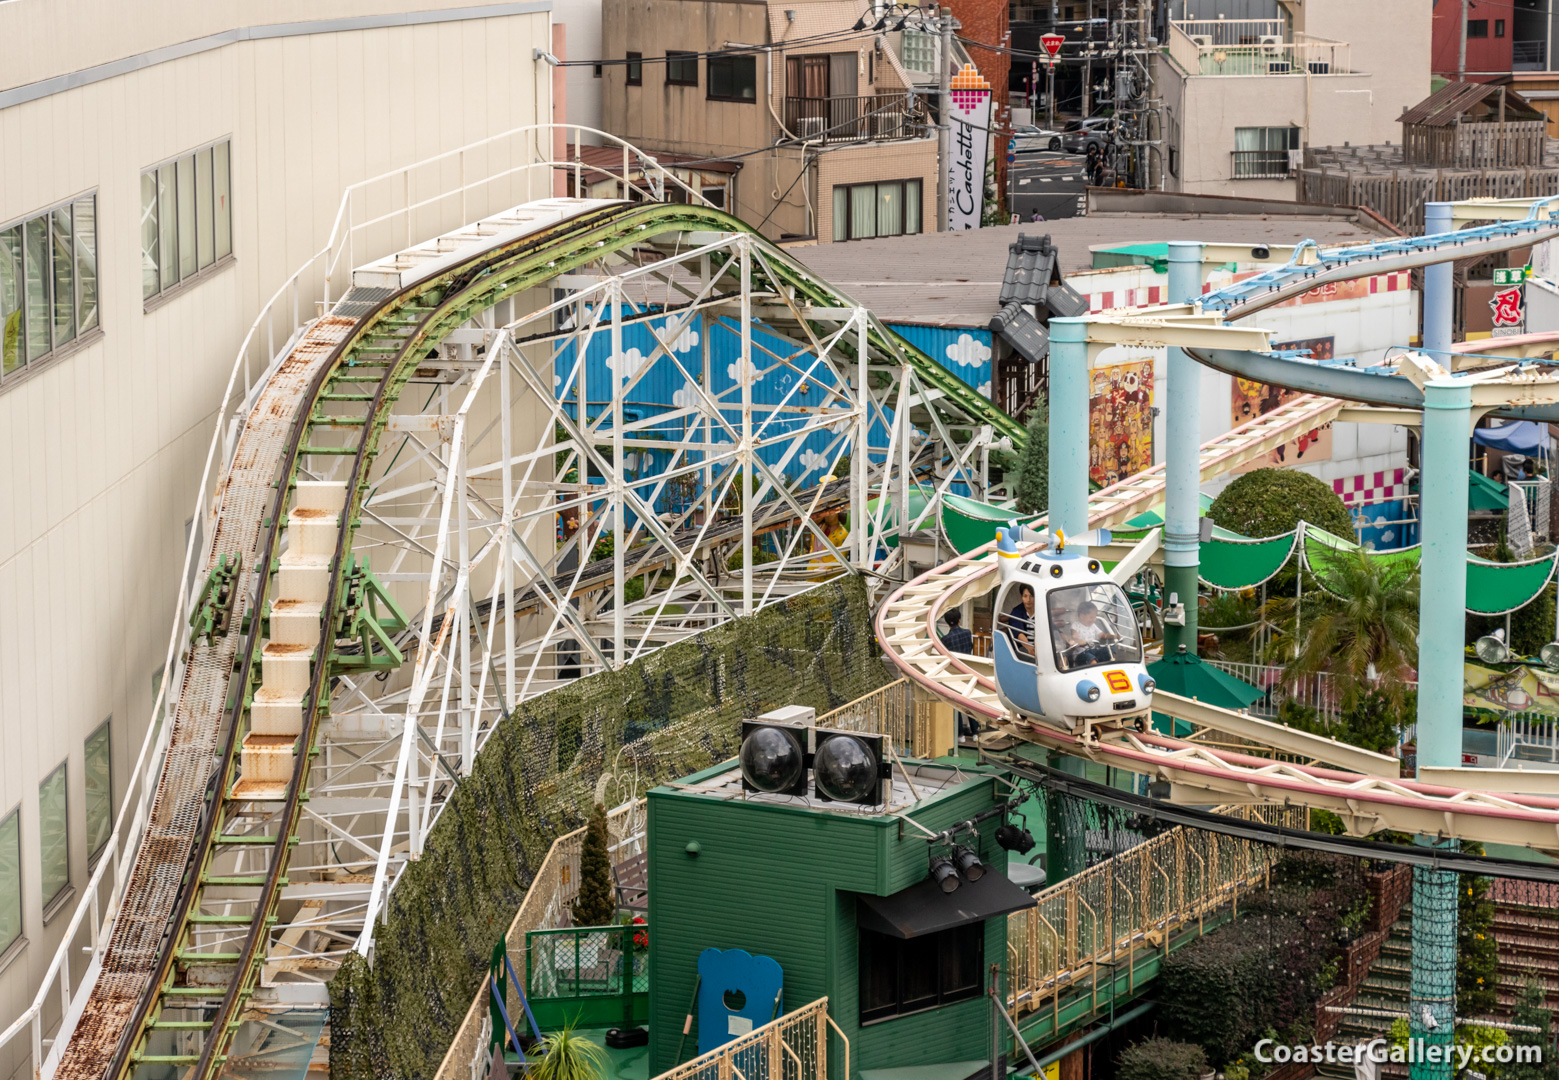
x=944, y=873
x=1010, y=837
x=1549, y=655
x=1491, y=648
x=773, y=758
x=850, y=768
x=968, y=863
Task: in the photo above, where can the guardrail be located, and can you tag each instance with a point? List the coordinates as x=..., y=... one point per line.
x=906, y=715
x=1135, y=899
x=421, y=204
x=851, y=119
x=1232, y=31
x=554, y=887
x=792, y=1047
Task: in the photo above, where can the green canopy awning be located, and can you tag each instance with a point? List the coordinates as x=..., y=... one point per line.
x=1244, y=564
x=1186, y=675
x=1486, y=494
x=1495, y=588
x=970, y=523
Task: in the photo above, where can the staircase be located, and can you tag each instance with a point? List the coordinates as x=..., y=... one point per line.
x=1526, y=925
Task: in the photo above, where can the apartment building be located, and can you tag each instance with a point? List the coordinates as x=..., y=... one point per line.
x=1500, y=39
x=1243, y=97
x=160, y=178
x=814, y=128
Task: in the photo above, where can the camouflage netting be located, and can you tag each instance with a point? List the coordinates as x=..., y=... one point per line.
x=672, y=713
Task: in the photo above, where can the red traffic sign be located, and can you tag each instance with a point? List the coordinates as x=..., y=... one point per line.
x=1052, y=43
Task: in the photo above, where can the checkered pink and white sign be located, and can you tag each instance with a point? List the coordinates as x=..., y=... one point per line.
x=1367, y=488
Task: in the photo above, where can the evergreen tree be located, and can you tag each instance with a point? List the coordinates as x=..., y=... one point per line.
x=1477, y=955
x=1530, y=1012
x=1033, y=486
x=596, y=904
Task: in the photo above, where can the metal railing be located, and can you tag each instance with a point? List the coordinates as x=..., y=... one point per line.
x=792, y=1047
x=1528, y=54
x=1305, y=57
x=1538, y=494
x=421, y=203
x=1232, y=31
x=896, y=710
x=551, y=891
x=1258, y=164
x=852, y=119
x=1137, y=899
x=1318, y=691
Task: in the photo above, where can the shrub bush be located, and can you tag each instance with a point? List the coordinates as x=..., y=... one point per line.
x=1268, y=502
x=1032, y=490
x=1161, y=1059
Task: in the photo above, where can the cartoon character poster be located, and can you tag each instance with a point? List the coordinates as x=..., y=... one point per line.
x=1253, y=399
x=1120, y=420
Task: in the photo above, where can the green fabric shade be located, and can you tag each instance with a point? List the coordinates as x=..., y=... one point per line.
x=917, y=505
x=970, y=524
x=1486, y=494
x=1188, y=676
x=1243, y=564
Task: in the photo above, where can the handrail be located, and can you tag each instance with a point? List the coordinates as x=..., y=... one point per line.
x=760, y=1050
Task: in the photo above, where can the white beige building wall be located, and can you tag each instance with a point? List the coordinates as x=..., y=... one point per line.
x=103, y=447
x=907, y=160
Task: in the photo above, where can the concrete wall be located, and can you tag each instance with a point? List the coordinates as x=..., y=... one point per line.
x=583, y=21
x=104, y=445
x=862, y=164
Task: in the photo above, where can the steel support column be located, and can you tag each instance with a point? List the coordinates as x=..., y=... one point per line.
x=1441, y=617
x=1438, y=297
x=1069, y=434
x=1182, y=464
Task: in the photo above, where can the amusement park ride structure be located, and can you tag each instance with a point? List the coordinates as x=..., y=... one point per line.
x=419, y=511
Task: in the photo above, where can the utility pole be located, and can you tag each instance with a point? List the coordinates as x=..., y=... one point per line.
x=1461, y=53
x=944, y=122
x=1088, y=63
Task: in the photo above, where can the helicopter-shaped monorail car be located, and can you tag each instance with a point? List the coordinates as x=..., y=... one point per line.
x=1065, y=640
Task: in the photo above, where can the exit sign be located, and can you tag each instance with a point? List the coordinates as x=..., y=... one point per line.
x=1513, y=275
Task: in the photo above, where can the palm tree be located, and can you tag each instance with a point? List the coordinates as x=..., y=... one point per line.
x=1362, y=628
x=567, y=1056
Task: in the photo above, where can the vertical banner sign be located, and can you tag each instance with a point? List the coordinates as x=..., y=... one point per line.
x=971, y=130
x=1509, y=302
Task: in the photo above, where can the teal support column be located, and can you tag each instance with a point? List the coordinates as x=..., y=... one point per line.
x=1182, y=467
x=1438, y=287
x=1069, y=436
x=1442, y=614
x=1066, y=828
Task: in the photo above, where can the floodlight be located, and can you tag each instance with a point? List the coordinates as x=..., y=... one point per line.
x=1491, y=648
x=773, y=759
x=944, y=873
x=968, y=863
x=1549, y=655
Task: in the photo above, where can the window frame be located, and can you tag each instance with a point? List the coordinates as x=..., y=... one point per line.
x=849, y=206
x=1477, y=29
x=54, y=902
x=106, y=730
x=1499, y=28
x=634, y=69
x=723, y=61
x=86, y=321
x=684, y=59
x=211, y=227
x=10, y=949
x=961, y=941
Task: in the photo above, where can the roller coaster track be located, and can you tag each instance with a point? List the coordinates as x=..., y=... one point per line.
x=1232, y=754
x=255, y=688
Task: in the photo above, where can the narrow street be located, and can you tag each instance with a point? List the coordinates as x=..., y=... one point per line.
x=1051, y=183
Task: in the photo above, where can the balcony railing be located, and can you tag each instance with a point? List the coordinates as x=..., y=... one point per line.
x=1528, y=56
x=1234, y=31
x=851, y=119
x=1269, y=54
x=1259, y=164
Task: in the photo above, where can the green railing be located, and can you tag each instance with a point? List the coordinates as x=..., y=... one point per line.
x=589, y=976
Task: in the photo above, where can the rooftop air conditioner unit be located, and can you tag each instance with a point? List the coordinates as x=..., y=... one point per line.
x=810, y=127
x=1271, y=44
x=1203, y=41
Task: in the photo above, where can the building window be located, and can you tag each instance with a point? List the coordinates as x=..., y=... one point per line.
x=733, y=78
x=862, y=211
x=1499, y=27
x=98, y=771
x=48, y=282
x=54, y=835
x=10, y=880
x=920, y=49
x=635, y=69
x=595, y=70
x=186, y=217
x=1261, y=153
x=1477, y=28
x=899, y=976
x=681, y=68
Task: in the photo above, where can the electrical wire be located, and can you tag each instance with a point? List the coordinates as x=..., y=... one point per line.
x=828, y=37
